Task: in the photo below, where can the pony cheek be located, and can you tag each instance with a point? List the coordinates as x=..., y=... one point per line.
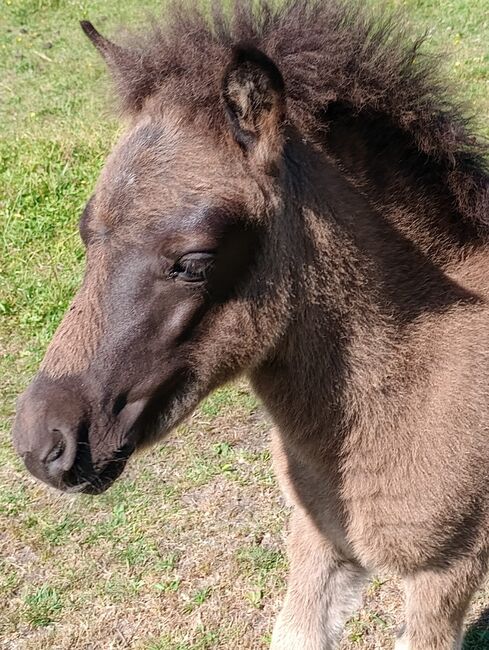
x=183, y=319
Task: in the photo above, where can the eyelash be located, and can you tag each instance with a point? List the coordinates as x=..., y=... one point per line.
x=192, y=268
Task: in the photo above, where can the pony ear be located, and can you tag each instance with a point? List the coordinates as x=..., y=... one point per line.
x=253, y=94
x=115, y=56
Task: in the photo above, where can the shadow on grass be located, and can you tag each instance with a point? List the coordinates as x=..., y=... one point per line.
x=477, y=635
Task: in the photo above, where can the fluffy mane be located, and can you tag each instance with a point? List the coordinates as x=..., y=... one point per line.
x=330, y=54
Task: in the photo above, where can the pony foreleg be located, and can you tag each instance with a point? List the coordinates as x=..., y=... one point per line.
x=323, y=590
x=436, y=601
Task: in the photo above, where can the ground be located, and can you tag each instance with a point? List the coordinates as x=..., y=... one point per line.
x=186, y=551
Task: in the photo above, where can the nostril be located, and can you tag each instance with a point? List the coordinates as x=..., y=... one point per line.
x=119, y=403
x=56, y=452
x=60, y=455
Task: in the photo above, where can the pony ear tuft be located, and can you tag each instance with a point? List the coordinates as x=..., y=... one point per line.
x=253, y=93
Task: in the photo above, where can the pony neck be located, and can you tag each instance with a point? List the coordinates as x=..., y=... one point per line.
x=366, y=279
x=407, y=187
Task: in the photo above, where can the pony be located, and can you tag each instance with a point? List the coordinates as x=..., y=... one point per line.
x=298, y=199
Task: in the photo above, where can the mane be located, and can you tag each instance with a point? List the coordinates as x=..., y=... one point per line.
x=330, y=54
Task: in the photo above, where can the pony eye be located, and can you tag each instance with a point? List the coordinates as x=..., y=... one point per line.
x=193, y=267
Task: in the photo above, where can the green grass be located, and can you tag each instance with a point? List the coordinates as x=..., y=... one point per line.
x=460, y=31
x=205, y=641
x=186, y=551
x=42, y=606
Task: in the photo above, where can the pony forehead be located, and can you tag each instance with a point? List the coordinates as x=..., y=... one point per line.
x=168, y=146
x=162, y=169
x=149, y=165
x=146, y=146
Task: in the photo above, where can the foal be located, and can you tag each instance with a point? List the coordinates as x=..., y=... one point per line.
x=296, y=199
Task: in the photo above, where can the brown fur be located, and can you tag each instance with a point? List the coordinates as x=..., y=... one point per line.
x=331, y=55
x=295, y=199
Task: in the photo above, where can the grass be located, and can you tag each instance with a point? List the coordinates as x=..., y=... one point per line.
x=186, y=551
x=42, y=606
